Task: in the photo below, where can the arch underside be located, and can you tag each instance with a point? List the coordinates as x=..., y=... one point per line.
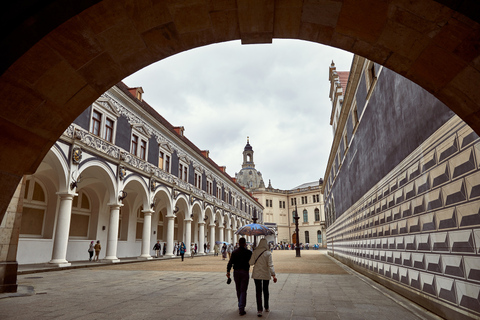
x=59, y=57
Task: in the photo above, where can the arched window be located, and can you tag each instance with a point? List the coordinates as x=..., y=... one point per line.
x=305, y=215
x=317, y=214
x=319, y=236
x=81, y=212
x=34, y=208
x=307, y=237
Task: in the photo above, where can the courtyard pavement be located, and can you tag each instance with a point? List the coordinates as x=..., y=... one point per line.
x=314, y=286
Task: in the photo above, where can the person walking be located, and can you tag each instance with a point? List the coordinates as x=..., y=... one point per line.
x=192, y=250
x=215, y=250
x=240, y=262
x=91, y=250
x=157, y=248
x=164, y=248
x=230, y=250
x=182, y=250
x=97, y=248
x=263, y=270
x=224, y=251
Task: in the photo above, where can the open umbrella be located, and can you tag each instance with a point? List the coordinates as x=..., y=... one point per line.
x=221, y=242
x=254, y=229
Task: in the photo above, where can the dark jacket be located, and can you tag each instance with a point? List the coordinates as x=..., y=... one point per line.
x=239, y=259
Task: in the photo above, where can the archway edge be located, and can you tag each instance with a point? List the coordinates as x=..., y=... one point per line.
x=55, y=69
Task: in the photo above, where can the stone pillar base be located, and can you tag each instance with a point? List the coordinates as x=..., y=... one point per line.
x=144, y=258
x=109, y=260
x=59, y=264
x=8, y=276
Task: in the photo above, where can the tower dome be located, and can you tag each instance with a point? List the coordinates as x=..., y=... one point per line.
x=248, y=176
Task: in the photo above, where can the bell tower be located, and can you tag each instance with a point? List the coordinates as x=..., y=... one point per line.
x=248, y=156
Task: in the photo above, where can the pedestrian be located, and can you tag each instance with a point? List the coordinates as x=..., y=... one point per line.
x=157, y=248
x=240, y=262
x=182, y=250
x=192, y=250
x=205, y=248
x=262, y=272
x=164, y=248
x=175, y=249
x=215, y=250
x=97, y=248
x=230, y=250
x=91, y=250
x=196, y=247
x=224, y=251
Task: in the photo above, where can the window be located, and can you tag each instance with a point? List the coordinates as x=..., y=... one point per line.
x=143, y=149
x=80, y=218
x=355, y=117
x=103, y=119
x=266, y=203
x=307, y=237
x=139, y=141
x=219, y=192
x=96, y=122
x=34, y=209
x=134, y=146
x=317, y=214
x=109, y=123
x=316, y=198
x=294, y=201
x=164, y=157
x=209, y=187
x=161, y=157
x=319, y=236
x=183, y=171
x=167, y=163
x=280, y=204
x=198, y=180
x=305, y=215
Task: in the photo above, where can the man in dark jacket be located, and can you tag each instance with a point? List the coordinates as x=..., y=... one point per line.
x=239, y=261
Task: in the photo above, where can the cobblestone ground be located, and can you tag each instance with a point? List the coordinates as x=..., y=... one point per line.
x=310, y=287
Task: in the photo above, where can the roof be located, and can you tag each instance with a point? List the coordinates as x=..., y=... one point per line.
x=343, y=78
x=149, y=109
x=306, y=185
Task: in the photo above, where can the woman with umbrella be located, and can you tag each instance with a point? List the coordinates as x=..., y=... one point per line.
x=262, y=272
x=224, y=251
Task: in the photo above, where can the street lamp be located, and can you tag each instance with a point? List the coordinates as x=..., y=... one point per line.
x=297, y=245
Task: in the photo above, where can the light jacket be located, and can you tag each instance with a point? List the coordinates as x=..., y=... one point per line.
x=263, y=268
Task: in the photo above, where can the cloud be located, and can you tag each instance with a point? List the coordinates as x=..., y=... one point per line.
x=277, y=94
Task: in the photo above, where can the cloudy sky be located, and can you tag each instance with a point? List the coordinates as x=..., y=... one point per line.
x=277, y=94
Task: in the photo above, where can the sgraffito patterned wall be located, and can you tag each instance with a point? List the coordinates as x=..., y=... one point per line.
x=419, y=227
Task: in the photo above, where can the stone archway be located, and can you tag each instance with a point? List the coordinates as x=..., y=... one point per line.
x=59, y=57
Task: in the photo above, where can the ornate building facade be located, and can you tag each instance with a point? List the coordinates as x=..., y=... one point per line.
x=280, y=205
x=402, y=190
x=122, y=174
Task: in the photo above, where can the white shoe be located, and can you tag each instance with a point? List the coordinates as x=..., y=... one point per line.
x=259, y=313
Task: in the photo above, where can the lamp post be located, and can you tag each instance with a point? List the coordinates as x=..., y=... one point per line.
x=297, y=245
x=254, y=221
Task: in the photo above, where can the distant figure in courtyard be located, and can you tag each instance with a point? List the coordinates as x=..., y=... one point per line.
x=192, y=250
x=97, y=248
x=240, y=262
x=182, y=250
x=91, y=250
x=224, y=251
x=157, y=248
x=229, y=250
x=175, y=250
x=262, y=272
x=164, y=248
x=215, y=250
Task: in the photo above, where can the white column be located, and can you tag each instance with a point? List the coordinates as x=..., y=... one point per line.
x=201, y=237
x=221, y=233
x=229, y=235
x=147, y=230
x=112, y=238
x=212, y=237
x=195, y=233
x=188, y=236
x=60, y=243
x=170, y=229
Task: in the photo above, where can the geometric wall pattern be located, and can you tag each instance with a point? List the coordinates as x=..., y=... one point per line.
x=420, y=225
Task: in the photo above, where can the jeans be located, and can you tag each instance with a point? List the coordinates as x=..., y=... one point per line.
x=258, y=291
x=241, y=285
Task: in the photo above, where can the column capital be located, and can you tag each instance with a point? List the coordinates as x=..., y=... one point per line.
x=148, y=212
x=115, y=205
x=212, y=225
x=67, y=195
x=201, y=222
